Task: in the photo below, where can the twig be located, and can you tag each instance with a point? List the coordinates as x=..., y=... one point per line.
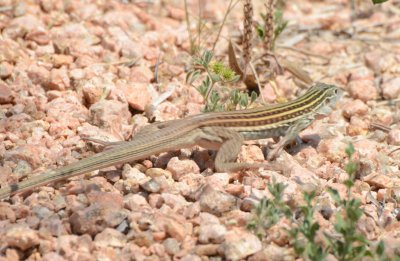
x=188, y=27
x=378, y=126
x=230, y=7
x=304, y=52
x=258, y=81
x=156, y=67
x=199, y=24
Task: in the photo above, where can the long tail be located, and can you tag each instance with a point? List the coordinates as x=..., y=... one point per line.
x=127, y=152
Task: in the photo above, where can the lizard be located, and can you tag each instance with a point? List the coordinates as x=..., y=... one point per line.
x=221, y=131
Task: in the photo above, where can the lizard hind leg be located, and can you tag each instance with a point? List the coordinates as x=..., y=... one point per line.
x=229, y=144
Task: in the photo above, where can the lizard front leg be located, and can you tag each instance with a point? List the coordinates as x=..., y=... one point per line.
x=291, y=134
x=228, y=144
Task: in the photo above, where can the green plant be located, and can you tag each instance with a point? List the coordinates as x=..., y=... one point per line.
x=216, y=73
x=346, y=244
x=304, y=234
x=350, y=245
x=268, y=211
x=277, y=27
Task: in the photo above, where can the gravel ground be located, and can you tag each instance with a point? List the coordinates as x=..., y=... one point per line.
x=72, y=69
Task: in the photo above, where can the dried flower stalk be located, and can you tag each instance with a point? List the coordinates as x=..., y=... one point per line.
x=247, y=33
x=269, y=25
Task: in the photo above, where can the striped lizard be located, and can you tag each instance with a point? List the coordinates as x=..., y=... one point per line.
x=222, y=131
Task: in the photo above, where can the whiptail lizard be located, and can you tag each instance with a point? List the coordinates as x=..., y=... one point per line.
x=222, y=131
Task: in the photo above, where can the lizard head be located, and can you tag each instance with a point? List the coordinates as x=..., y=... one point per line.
x=331, y=94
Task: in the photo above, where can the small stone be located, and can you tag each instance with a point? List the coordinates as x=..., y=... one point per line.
x=235, y=189
x=138, y=95
x=151, y=186
x=239, y=244
x=273, y=252
x=207, y=250
x=109, y=114
x=391, y=88
x=6, y=70
x=40, y=37
x=356, y=107
x=96, y=218
x=135, y=201
x=171, y=246
x=21, y=237
x=158, y=172
x=251, y=154
x=110, y=238
x=379, y=180
x=212, y=233
x=394, y=137
x=179, y=168
x=6, y=213
x=216, y=202
x=5, y=93
x=358, y=126
x=59, y=80
x=175, y=229
x=364, y=90
x=59, y=60
x=38, y=74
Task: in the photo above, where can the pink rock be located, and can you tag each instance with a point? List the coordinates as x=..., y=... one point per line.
x=79, y=247
x=6, y=213
x=372, y=59
x=176, y=13
x=321, y=47
x=38, y=74
x=5, y=93
x=32, y=154
x=235, y=189
x=358, y=126
x=391, y=88
x=174, y=228
x=218, y=180
x=239, y=244
x=268, y=93
x=106, y=199
x=59, y=80
x=380, y=180
x=167, y=111
x=212, y=233
x=20, y=25
x=179, y=168
x=21, y=237
x=110, y=238
x=6, y=69
x=138, y=95
x=96, y=218
x=59, y=60
x=361, y=74
x=332, y=149
x=97, y=87
x=40, y=37
x=141, y=74
x=216, y=202
x=175, y=202
x=251, y=154
x=356, y=107
x=394, y=137
x=52, y=256
x=110, y=114
x=272, y=252
x=364, y=90
x=278, y=233
x=134, y=202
